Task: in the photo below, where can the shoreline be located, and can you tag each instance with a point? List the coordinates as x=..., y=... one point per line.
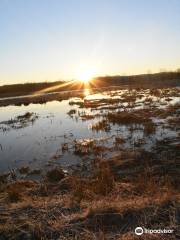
x=52, y=96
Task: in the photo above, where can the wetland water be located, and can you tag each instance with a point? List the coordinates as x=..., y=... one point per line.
x=63, y=132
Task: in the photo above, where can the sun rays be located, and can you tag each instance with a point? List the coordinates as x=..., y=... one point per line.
x=84, y=79
x=57, y=87
x=84, y=84
x=85, y=76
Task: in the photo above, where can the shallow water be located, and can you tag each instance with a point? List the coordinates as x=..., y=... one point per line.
x=39, y=144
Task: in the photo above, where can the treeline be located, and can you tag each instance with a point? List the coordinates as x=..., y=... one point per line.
x=26, y=88
x=163, y=79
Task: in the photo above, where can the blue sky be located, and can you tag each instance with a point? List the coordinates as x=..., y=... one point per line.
x=57, y=39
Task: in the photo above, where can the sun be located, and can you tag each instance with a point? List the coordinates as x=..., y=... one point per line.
x=85, y=76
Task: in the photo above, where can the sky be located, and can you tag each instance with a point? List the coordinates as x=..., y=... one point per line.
x=47, y=40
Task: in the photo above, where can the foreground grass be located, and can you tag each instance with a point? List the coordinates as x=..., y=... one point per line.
x=127, y=191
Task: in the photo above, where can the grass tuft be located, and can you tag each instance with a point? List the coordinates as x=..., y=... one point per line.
x=55, y=175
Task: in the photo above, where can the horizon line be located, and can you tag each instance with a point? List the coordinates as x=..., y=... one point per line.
x=95, y=77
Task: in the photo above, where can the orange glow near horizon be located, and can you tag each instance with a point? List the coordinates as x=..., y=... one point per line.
x=85, y=86
x=85, y=76
x=80, y=85
x=54, y=88
x=85, y=73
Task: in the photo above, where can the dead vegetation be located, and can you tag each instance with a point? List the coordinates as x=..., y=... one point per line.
x=14, y=194
x=126, y=118
x=105, y=204
x=101, y=125
x=130, y=187
x=55, y=175
x=71, y=112
x=86, y=117
x=19, y=122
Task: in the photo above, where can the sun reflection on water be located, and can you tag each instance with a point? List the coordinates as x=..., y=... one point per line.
x=87, y=92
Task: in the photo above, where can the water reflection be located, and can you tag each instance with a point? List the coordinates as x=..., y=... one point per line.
x=86, y=92
x=39, y=144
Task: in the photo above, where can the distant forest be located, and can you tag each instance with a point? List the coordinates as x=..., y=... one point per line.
x=163, y=79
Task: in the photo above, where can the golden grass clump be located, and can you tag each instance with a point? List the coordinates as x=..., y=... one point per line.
x=104, y=179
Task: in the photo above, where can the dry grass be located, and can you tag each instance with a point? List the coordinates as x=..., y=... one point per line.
x=126, y=118
x=100, y=207
x=101, y=125
x=149, y=128
x=86, y=117
x=14, y=194
x=83, y=147
x=55, y=175
x=20, y=121
x=100, y=183
x=132, y=188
